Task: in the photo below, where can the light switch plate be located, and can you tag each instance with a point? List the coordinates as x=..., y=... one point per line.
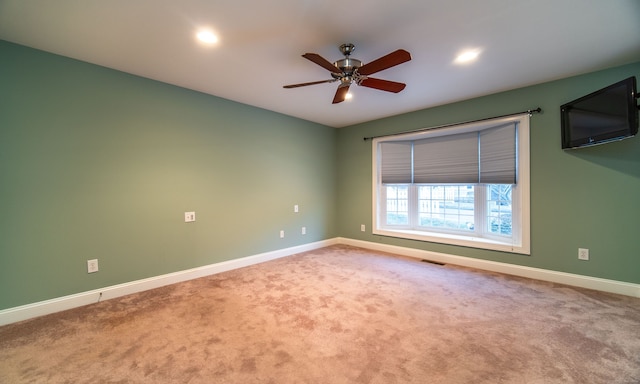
x=189, y=217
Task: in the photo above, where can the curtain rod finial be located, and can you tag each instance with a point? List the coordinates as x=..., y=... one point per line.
x=537, y=110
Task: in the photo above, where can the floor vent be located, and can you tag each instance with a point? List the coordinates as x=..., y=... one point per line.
x=431, y=262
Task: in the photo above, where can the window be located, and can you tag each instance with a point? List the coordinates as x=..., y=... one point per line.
x=463, y=185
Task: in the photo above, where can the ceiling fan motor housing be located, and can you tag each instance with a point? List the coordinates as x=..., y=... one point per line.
x=347, y=66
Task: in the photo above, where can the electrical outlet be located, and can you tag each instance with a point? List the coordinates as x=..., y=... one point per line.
x=583, y=253
x=189, y=217
x=282, y=234
x=363, y=228
x=304, y=230
x=92, y=266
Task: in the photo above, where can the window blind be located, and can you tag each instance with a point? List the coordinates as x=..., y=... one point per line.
x=498, y=155
x=484, y=156
x=396, y=162
x=446, y=159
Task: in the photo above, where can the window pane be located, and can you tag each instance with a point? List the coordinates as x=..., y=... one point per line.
x=397, y=204
x=446, y=206
x=499, y=209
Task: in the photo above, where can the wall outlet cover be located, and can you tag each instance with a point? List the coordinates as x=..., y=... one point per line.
x=92, y=266
x=583, y=253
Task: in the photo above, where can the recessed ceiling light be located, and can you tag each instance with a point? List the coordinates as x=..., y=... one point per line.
x=206, y=36
x=467, y=56
x=348, y=96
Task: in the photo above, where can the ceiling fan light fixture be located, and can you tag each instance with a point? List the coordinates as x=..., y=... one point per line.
x=346, y=80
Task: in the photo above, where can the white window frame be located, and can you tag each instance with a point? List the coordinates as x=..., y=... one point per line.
x=520, y=194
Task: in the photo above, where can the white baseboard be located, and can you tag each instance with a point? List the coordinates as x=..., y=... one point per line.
x=24, y=312
x=612, y=286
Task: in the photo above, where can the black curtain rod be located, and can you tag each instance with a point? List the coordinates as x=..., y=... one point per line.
x=529, y=111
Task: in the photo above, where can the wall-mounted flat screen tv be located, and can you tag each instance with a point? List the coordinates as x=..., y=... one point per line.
x=606, y=115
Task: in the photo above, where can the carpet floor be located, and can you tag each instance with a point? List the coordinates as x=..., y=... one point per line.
x=336, y=315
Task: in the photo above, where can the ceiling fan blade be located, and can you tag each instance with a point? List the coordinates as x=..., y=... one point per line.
x=321, y=61
x=311, y=83
x=394, y=58
x=383, y=85
x=341, y=93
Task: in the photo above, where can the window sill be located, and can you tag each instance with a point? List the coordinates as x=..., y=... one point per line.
x=459, y=240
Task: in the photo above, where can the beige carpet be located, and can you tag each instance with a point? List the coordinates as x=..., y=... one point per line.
x=336, y=315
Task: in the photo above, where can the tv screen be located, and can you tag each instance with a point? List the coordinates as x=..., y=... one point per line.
x=606, y=115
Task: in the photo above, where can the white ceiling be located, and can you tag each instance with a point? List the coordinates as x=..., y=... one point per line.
x=523, y=42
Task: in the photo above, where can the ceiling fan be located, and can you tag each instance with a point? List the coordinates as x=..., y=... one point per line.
x=349, y=70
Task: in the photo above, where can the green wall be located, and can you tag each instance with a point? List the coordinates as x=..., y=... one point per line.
x=588, y=198
x=96, y=163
